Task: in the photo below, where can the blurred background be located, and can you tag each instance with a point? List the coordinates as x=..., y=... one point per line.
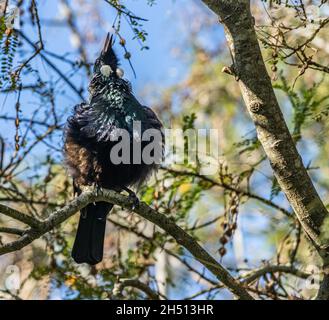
x=239, y=214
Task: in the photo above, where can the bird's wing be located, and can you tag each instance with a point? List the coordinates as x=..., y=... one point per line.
x=152, y=122
x=95, y=121
x=152, y=119
x=78, y=155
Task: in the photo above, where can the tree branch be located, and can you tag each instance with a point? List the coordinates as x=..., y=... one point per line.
x=16, y=231
x=272, y=131
x=53, y=66
x=165, y=223
x=17, y=215
x=275, y=268
x=138, y=285
x=229, y=187
x=126, y=12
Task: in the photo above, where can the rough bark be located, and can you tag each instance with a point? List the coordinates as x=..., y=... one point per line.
x=152, y=295
x=39, y=228
x=272, y=131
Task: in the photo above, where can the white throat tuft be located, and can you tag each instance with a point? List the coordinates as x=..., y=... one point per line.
x=106, y=70
x=120, y=73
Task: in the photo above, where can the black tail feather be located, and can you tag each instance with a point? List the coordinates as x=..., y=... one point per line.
x=89, y=240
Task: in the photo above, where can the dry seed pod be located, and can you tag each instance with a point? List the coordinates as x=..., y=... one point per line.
x=223, y=240
x=228, y=233
x=122, y=41
x=222, y=251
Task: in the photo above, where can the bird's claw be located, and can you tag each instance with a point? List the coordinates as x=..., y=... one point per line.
x=135, y=201
x=133, y=198
x=98, y=189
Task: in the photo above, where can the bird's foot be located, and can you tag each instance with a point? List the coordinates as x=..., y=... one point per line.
x=98, y=189
x=133, y=197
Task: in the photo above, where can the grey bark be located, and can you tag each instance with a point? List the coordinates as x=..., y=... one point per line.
x=39, y=228
x=152, y=295
x=272, y=131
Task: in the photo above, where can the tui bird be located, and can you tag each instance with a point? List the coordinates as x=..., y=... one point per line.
x=93, y=133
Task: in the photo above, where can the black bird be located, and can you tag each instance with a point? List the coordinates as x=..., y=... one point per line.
x=92, y=134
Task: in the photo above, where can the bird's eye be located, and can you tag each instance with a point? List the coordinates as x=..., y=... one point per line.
x=106, y=70
x=120, y=72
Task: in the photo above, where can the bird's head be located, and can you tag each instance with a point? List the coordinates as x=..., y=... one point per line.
x=107, y=63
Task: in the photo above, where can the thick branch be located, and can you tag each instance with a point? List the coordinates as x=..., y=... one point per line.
x=17, y=215
x=138, y=285
x=265, y=112
x=168, y=225
x=16, y=231
x=273, y=269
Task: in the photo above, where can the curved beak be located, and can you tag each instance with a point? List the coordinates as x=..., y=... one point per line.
x=107, y=55
x=108, y=44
